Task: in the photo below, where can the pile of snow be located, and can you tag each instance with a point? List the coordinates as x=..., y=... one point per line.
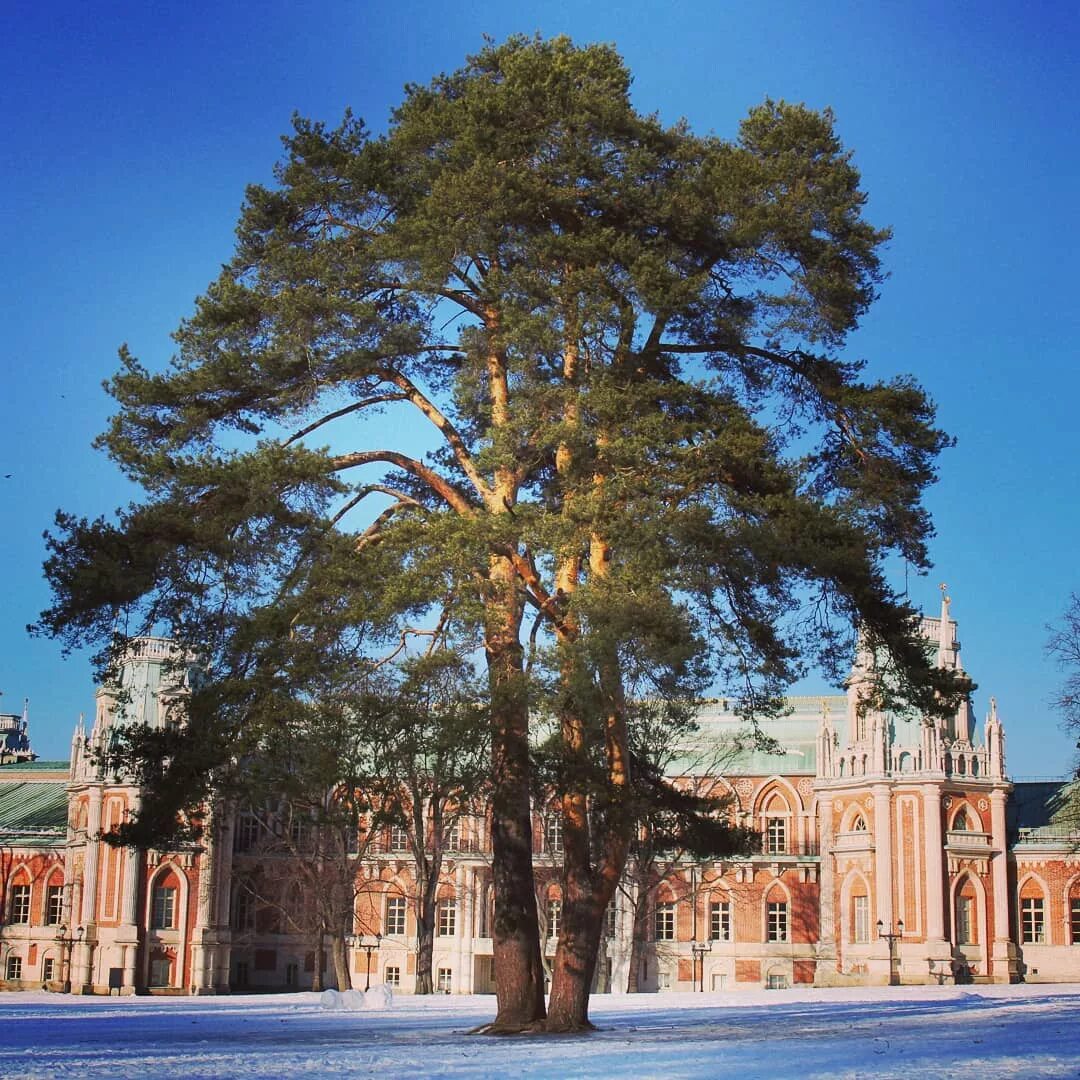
x=377, y=998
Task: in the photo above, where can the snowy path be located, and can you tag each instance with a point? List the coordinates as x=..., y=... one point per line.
x=985, y=1032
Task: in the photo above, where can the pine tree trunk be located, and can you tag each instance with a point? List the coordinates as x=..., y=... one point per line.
x=639, y=937
x=592, y=867
x=519, y=974
x=316, y=977
x=575, y=955
x=425, y=946
x=341, y=962
x=425, y=930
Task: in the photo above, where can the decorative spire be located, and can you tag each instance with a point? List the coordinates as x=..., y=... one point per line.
x=944, y=636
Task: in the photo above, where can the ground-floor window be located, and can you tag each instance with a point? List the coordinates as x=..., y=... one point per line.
x=776, y=982
x=860, y=919
x=392, y=975
x=663, y=980
x=444, y=982
x=720, y=921
x=243, y=973
x=292, y=975
x=965, y=920
x=161, y=971
x=14, y=968
x=48, y=969
x=777, y=921
x=1074, y=920
x=665, y=922
x=1032, y=922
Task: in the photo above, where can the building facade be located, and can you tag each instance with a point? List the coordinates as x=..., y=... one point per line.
x=895, y=849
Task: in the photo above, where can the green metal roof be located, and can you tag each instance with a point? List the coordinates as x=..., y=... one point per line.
x=34, y=767
x=33, y=812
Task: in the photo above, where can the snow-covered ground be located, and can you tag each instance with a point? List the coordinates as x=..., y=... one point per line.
x=986, y=1032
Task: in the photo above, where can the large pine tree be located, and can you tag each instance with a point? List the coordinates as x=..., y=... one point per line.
x=626, y=340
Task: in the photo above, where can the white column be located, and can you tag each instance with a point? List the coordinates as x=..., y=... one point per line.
x=883, y=875
x=827, y=941
x=82, y=960
x=1003, y=952
x=934, y=851
x=90, y=866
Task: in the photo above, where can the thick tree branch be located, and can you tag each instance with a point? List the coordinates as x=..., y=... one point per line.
x=438, y=485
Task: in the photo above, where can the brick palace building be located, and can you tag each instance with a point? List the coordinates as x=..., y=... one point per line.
x=894, y=850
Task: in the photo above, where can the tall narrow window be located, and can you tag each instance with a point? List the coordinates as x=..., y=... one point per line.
x=243, y=909
x=247, y=833
x=163, y=913
x=395, y=916
x=965, y=922
x=554, y=917
x=447, y=918
x=553, y=843
x=720, y=921
x=611, y=920
x=960, y=822
x=20, y=904
x=776, y=928
x=1074, y=920
x=445, y=980
x=860, y=919
x=665, y=922
x=54, y=905
x=452, y=837
x=14, y=968
x=399, y=838
x=1032, y=924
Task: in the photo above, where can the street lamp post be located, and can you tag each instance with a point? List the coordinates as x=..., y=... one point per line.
x=368, y=950
x=65, y=940
x=892, y=937
x=699, y=949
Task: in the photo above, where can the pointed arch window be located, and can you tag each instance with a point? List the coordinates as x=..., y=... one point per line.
x=859, y=824
x=961, y=823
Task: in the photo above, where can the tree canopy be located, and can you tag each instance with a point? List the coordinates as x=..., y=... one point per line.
x=624, y=343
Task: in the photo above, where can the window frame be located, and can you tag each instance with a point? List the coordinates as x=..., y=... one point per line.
x=54, y=905
x=776, y=835
x=664, y=921
x=396, y=916
x=860, y=919
x=446, y=918
x=1032, y=920
x=20, y=904
x=163, y=906
x=965, y=920
x=554, y=916
x=777, y=922
x=720, y=920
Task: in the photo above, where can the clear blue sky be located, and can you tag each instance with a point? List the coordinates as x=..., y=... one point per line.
x=132, y=129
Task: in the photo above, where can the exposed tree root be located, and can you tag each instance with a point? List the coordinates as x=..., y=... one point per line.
x=536, y=1027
